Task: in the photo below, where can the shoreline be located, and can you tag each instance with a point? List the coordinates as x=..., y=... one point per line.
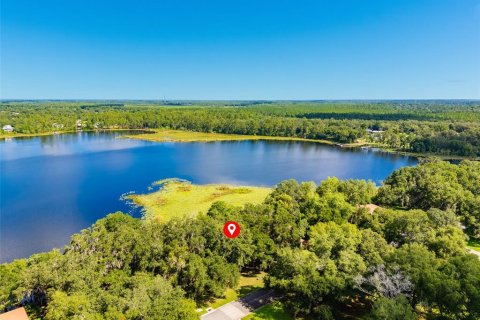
x=186, y=136
x=4, y=136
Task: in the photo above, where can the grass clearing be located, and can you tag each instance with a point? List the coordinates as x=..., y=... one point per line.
x=247, y=284
x=28, y=135
x=181, y=198
x=474, y=245
x=166, y=135
x=271, y=311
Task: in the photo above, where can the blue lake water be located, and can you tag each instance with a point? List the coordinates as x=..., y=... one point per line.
x=54, y=186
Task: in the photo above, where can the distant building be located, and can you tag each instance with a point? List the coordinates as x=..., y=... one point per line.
x=17, y=314
x=370, y=207
x=7, y=128
x=58, y=126
x=375, y=135
x=78, y=124
x=374, y=131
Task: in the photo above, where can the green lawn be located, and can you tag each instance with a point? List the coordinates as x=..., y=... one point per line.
x=180, y=198
x=272, y=311
x=4, y=135
x=475, y=245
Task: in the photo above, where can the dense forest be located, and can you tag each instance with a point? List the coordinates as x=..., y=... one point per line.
x=449, y=128
x=320, y=245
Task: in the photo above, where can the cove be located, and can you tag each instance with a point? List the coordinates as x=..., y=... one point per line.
x=54, y=186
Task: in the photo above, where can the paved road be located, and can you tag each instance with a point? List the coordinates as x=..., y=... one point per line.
x=236, y=310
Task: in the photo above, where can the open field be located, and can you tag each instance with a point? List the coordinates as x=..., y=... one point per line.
x=165, y=135
x=180, y=198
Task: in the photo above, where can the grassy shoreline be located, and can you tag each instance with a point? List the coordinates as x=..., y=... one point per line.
x=167, y=135
x=31, y=135
x=51, y=133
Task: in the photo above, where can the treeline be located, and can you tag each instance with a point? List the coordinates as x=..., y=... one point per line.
x=432, y=110
x=420, y=128
x=322, y=247
x=437, y=184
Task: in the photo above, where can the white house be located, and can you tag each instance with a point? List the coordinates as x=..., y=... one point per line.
x=374, y=131
x=7, y=128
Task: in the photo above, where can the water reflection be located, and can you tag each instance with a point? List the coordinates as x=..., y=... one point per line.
x=66, y=144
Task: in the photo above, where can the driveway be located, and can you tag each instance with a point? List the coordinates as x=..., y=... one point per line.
x=238, y=309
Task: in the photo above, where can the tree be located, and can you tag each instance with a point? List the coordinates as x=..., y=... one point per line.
x=11, y=275
x=323, y=273
x=388, y=284
x=451, y=285
x=288, y=225
x=126, y=268
x=358, y=191
x=332, y=207
x=153, y=297
x=396, y=308
x=75, y=306
x=193, y=278
x=438, y=185
x=440, y=218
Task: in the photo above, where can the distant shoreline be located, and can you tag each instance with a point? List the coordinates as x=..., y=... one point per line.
x=167, y=135
x=185, y=136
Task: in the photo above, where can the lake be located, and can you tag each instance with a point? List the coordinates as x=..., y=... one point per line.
x=54, y=186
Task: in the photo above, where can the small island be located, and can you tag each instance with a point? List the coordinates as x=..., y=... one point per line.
x=179, y=198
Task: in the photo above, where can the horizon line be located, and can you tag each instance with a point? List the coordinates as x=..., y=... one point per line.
x=241, y=100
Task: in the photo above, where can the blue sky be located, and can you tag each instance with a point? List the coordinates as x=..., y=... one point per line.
x=243, y=49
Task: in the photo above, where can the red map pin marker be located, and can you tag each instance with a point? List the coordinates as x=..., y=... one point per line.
x=231, y=229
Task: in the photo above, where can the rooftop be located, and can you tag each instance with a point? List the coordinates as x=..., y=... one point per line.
x=17, y=314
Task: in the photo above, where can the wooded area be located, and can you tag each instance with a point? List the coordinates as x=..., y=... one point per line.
x=449, y=128
x=322, y=248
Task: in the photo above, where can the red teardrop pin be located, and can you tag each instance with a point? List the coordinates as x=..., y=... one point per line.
x=231, y=229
